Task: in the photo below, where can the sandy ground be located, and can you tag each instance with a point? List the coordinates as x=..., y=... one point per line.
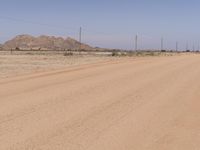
x=133, y=104
x=14, y=65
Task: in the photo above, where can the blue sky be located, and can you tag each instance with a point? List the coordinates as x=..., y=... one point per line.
x=105, y=23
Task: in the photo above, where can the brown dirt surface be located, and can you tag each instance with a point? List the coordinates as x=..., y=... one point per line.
x=126, y=104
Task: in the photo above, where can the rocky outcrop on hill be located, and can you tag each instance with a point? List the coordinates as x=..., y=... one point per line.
x=44, y=42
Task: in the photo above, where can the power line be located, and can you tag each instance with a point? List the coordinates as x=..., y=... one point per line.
x=36, y=23
x=81, y=30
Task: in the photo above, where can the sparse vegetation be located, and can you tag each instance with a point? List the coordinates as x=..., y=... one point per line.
x=68, y=53
x=114, y=53
x=17, y=48
x=140, y=53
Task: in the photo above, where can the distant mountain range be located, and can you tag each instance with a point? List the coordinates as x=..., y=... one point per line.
x=28, y=42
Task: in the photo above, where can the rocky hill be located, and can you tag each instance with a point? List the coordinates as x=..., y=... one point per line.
x=44, y=42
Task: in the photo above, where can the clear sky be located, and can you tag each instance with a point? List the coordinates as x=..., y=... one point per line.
x=105, y=23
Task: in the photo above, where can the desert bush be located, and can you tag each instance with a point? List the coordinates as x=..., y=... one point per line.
x=115, y=54
x=68, y=54
x=17, y=48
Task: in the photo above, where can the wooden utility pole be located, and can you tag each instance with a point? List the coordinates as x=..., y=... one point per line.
x=136, y=42
x=193, y=48
x=162, y=44
x=80, y=38
x=187, y=46
x=176, y=46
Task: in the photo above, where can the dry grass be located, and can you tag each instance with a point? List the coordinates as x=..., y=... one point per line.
x=12, y=65
x=22, y=62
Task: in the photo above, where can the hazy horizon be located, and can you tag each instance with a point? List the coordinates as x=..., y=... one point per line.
x=109, y=24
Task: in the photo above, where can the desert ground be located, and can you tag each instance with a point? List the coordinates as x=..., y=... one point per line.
x=20, y=64
x=99, y=103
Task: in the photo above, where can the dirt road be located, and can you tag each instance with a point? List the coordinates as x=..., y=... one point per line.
x=133, y=104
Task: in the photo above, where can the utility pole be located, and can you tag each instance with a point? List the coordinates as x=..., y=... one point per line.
x=193, y=48
x=162, y=44
x=176, y=46
x=187, y=46
x=80, y=37
x=136, y=42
